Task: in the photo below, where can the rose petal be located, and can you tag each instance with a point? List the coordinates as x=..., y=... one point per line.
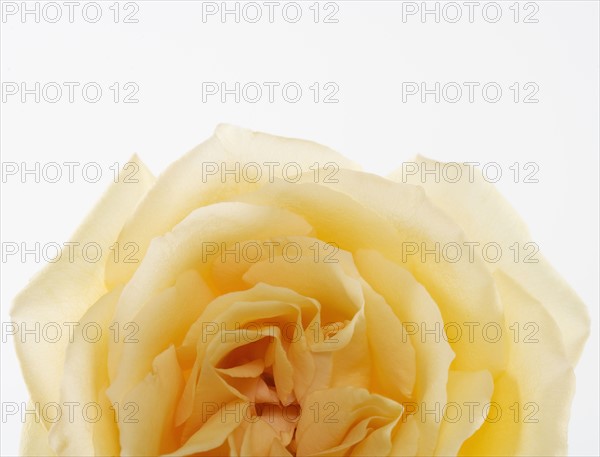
x=486, y=216
x=405, y=441
x=213, y=433
x=412, y=304
x=84, y=382
x=146, y=418
x=182, y=187
x=471, y=391
x=339, y=293
x=164, y=321
x=534, y=395
x=260, y=439
x=65, y=290
x=34, y=436
x=335, y=420
x=185, y=247
x=391, y=354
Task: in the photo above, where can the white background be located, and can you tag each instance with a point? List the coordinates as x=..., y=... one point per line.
x=368, y=53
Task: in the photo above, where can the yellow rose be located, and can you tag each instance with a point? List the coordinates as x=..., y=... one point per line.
x=264, y=297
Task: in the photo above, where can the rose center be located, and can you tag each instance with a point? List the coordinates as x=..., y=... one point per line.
x=261, y=371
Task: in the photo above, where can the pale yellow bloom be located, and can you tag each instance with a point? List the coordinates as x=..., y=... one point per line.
x=317, y=334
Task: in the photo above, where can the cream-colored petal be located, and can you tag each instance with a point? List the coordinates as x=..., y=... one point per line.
x=468, y=394
x=65, y=290
x=261, y=439
x=486, y=216
x=391, y=354
x=339, y=294
x=187, y=184
x=214, y=432
x=185, y=247
x=228, y=275
x=34, y=436
x=258, y=302
x=405, y=441
x=351, y=366
x=335, y=420
x=164, y=321
x=283, y=371
x=412, y=304
x=378, y=441
x=146, y=413
x=535, y=393
x=84, y=382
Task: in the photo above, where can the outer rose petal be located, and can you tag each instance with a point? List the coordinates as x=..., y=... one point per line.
x=65, y=290
x=531, y=293
x=486, y=216
x=182, y=189
x=85, y=380
x=535, y=392
x=34, y=437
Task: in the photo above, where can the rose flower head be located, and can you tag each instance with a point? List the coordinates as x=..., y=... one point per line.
x=265, y=297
